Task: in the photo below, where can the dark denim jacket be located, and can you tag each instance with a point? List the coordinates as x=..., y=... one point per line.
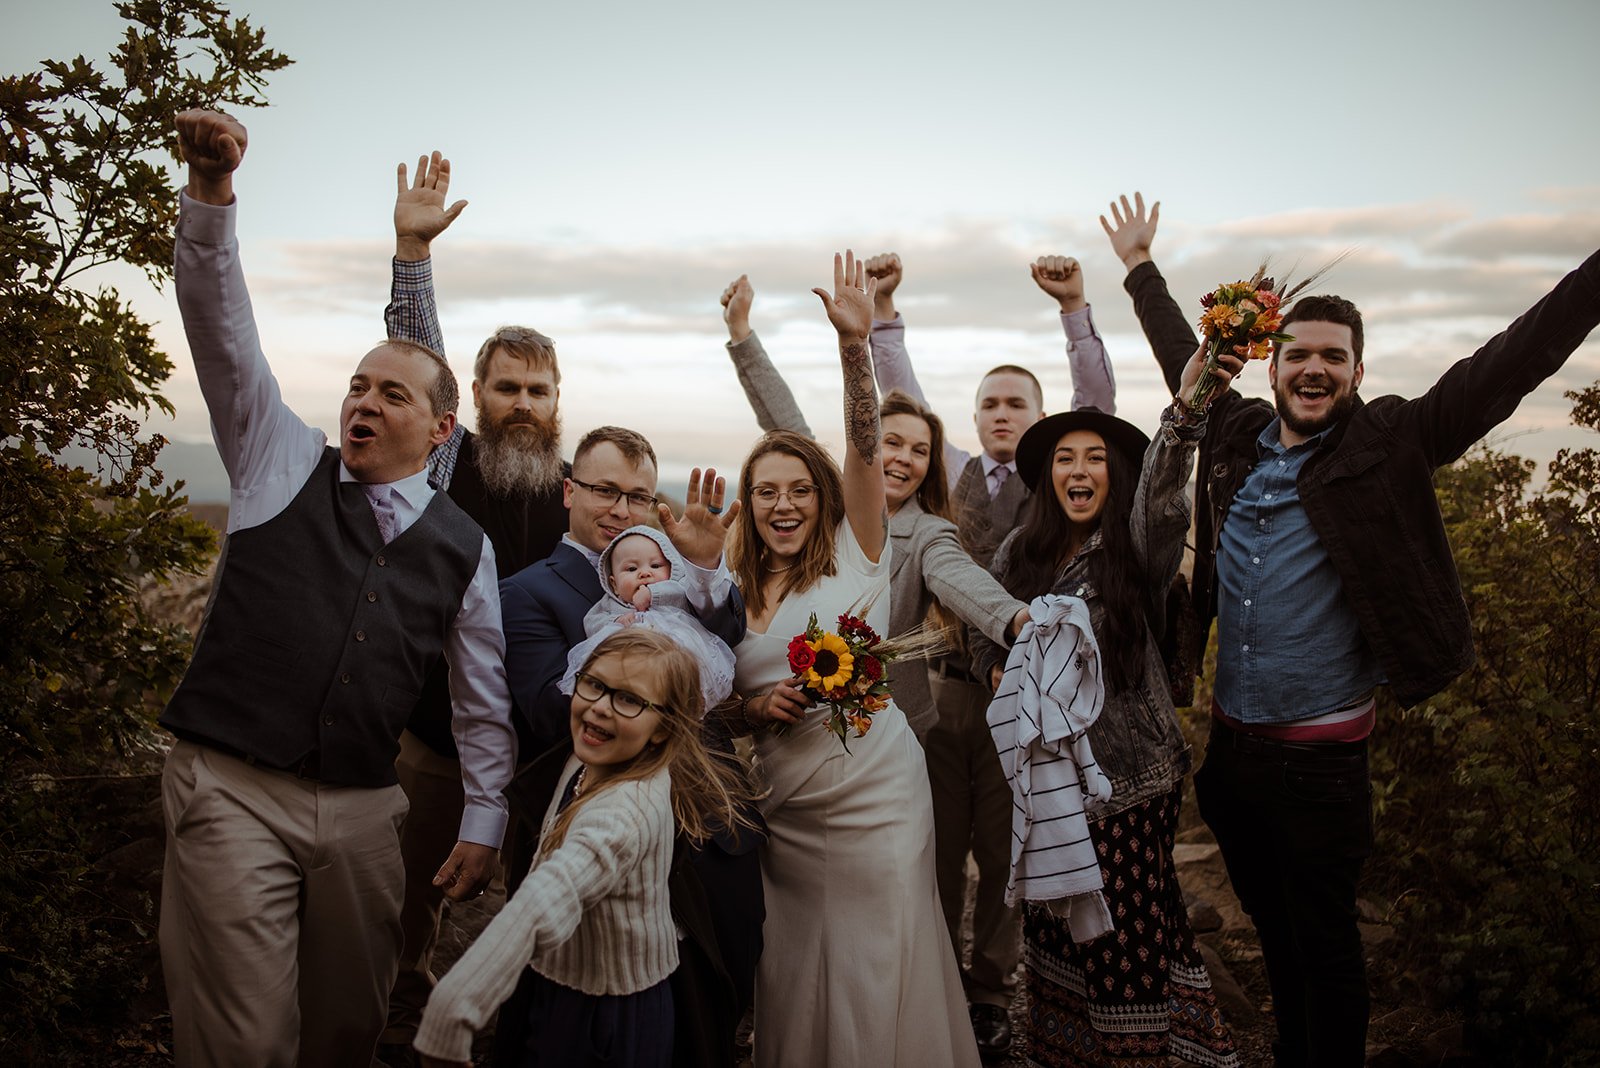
x=1136, y=740
x=1368, y=490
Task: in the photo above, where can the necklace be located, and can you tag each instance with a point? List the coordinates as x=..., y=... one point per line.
x=779, y=570
x=577, y=785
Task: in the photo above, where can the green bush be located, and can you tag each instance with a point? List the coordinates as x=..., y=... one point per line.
x=1488, y=795
x=84, y=182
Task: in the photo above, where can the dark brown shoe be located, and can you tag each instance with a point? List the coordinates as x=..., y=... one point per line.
x=991, y=1026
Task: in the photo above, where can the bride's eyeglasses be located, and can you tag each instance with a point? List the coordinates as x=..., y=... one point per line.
x=799, y=496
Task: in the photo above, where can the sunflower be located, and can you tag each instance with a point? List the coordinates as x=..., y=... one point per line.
x=833, y=666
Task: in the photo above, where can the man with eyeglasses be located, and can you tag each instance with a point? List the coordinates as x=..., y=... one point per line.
x=612, y=487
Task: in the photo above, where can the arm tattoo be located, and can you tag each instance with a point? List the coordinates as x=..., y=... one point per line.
x=860, y=402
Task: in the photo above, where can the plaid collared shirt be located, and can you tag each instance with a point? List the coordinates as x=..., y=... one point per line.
x=412, y=315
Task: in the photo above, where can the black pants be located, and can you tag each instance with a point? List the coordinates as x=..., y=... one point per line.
x=1295, y=824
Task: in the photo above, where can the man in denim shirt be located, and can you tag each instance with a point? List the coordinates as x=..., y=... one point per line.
x=1323, y=556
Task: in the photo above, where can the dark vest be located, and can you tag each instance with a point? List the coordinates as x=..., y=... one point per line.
x=319, y=636
x=982, y=522
x=523, y=531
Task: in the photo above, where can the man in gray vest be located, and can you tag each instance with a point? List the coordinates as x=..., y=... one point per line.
x=345, y=577
x=971, y=801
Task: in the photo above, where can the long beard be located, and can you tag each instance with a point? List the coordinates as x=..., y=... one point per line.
x=518, y=460
x=1340, y=408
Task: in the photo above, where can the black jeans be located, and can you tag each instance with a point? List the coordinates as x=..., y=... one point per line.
x=1295, y=824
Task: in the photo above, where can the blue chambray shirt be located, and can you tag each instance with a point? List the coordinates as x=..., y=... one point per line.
x=1288, y=644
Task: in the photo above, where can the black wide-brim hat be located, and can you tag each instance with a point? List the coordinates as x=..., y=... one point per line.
x=1040, y=440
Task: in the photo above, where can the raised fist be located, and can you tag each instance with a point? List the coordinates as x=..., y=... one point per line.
x=212, y=143
x=1061, y=278
x=885, y=267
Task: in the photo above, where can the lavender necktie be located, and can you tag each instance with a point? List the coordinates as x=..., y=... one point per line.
x=999, y=474
x=383, y=512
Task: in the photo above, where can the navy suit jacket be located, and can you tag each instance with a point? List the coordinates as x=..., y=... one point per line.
x=543, y=606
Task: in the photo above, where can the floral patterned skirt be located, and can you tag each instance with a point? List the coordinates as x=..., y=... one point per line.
x=1130, y=998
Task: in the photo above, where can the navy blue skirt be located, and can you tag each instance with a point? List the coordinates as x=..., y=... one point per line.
x=568, y=1027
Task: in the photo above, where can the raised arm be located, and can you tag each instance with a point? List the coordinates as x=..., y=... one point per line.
x=1171, y=337
x=257, y=435
x=419, y=217
x=849, y=308
x=1159, y=520
x=1061, y=278
x=769, y=395
x=1479, y=392
x=891, y=364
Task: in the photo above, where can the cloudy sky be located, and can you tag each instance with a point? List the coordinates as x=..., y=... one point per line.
x=624, y=161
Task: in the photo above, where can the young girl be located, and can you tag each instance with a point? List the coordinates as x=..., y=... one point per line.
x=591, y=919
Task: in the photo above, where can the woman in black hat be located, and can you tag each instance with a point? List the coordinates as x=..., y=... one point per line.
x=1106, y=523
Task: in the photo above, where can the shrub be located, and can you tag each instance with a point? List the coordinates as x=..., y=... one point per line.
x=84, y=183
x=1488, y=794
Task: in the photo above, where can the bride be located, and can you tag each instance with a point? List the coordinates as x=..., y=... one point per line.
x=857, y=968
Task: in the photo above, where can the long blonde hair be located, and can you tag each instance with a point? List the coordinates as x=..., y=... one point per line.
x=748, y=554
x=709, y=789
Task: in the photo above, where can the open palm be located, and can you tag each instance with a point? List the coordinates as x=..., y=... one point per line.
x=849, y=307
x=419, y=209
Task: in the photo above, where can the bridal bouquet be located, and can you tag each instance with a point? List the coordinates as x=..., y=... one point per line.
x=845, y=669
x=1243, y=319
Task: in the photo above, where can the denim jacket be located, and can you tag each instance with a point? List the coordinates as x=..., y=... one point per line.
x=1136, y=740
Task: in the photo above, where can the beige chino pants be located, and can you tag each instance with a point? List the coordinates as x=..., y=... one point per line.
x=280, y=909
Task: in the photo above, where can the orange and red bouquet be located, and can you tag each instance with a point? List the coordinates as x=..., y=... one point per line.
x=845, y=671
x=1243, y=319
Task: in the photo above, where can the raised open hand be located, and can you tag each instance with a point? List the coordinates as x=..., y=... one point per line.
x=736, y=302
x=213, y=146
x=1062, y=278
x=419, y=211
x=703, y=528
x=850, y=307
x=1133, y=232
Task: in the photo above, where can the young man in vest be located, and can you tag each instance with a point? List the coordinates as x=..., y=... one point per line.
x=344, y=579
x=971, y=801
x=508, y=478
x=1323, y=558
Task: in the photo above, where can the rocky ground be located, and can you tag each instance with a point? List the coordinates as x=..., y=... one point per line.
x=1402, y=1034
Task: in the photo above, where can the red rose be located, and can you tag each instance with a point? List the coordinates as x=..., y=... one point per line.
x=871, y=667
x=801, y=655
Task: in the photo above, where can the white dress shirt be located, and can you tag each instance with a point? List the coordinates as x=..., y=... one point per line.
x=269, y=453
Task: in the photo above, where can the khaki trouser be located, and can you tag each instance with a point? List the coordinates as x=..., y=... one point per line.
x=432, y=784
x=280, y=910
x=972, y=812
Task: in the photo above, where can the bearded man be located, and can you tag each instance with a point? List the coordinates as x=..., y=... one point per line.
x=508, y=476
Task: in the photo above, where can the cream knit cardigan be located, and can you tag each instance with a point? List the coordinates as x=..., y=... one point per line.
x=593, y=915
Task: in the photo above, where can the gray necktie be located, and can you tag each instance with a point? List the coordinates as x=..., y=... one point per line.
x=383, y=512
x=998, y=476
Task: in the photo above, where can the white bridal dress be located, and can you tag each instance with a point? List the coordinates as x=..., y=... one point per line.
x=857, y=968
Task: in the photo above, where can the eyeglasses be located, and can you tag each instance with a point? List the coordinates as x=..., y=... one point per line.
x=639, y=502
x=625, y=704
x=799, y=496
